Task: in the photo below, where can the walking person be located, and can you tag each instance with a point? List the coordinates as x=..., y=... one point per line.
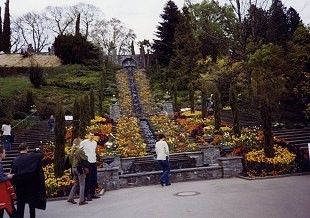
x=29, y=180
x=162, y=152
x=76, y=157
x=6, y=191
x=89, y=146
x=51, y=124
x=6, y=136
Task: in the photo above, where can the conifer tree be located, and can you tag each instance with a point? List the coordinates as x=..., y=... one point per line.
x=163, y=46
x=87, y=111
x=203, y=101
x=83, y=117
x=6, y=34
x=0, y=30
x=76, y=116
x=233, y=99
x=60, y=131
x=92, y=103
x=29, y=101
x=36, y=76
x=217, y=109
x=77, y=24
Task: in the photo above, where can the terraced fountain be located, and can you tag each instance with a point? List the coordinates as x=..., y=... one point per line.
x=149, y=137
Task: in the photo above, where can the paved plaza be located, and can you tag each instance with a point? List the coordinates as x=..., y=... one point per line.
x=287, y=197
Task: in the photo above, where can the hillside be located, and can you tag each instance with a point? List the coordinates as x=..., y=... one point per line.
x=16, y=60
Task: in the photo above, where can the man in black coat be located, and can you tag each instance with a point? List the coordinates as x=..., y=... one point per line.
x=29, y=180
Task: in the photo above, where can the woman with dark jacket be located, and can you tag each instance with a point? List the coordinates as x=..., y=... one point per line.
x=6, y=190
x=29, y=180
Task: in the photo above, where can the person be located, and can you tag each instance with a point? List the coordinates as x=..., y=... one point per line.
x=76, y=157
x=6, y=136
x=162, y=152
x=89, y=146
x=6, y=190
x=28, y=180
x=51, y=124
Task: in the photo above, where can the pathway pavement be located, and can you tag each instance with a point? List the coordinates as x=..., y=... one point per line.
x=287, y=197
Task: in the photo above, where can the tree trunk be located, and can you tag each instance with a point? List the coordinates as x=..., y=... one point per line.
x=233, y=100
x=266, y=115
x=191, y=94
x=217, y=109
x=203, y=101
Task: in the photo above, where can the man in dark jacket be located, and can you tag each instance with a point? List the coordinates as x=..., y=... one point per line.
x=29, y=180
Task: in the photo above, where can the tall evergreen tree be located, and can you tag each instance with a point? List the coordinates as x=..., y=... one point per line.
x=87, y=111
x=77, y=24
x=217, y=109
x=163, y=46
x=83, y=116
x=278, y=28
x=6, y=34
x=76, y=116
x=203, y=101
x=233, y=100
x=0, y=30
x=92, y=103
x=293, y=21
x=60, y=132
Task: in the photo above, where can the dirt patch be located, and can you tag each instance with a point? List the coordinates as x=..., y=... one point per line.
x=16, y=60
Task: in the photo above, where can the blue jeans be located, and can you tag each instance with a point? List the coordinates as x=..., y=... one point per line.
x=6, y=142
x=165, y=165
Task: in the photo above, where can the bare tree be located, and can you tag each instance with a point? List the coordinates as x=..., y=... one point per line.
x=61, y=18
x=112, y=35
x=34, y=30
x=90, y=14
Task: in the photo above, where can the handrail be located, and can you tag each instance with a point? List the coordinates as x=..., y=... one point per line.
x=24, y=119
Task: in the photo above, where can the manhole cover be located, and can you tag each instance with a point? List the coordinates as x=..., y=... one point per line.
x=187, y=193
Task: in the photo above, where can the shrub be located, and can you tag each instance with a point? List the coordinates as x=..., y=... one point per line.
x=75, y=49
x=36, y=76
x=19, y=115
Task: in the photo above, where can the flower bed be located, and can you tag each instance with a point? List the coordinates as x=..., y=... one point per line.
x=146, y=98
x=124, y=93
x=257, y=164
x=176, y=137
x=129, y=139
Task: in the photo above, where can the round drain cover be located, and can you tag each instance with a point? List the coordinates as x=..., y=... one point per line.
x=187, y=193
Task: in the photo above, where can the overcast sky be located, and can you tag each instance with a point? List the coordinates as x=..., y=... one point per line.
x=140, y=15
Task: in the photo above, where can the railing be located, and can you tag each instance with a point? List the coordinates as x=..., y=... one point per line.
x=30, y=115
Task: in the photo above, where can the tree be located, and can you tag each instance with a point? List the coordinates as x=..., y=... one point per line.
x=183, y=65
x=163, y=46
x=0, y=30
x=269, y=66
x=191, y=94
x=217, y=109
x=103, y=78
x=83, y=117
x=75, y=49
x=33, y=28
x=60, y=19
x=87, y=111
x=36, y=76
x=92, y=103
x=77, y=24
x=113, y=35
x=203, y=101
x=233, y=99
x=76, y=116
x=60, y=132
x=278, y=28
x=29, y=101
x=6, y=34
x=212, y=26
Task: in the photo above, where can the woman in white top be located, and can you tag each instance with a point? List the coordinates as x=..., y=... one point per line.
x=162, y=152
x=6, y=136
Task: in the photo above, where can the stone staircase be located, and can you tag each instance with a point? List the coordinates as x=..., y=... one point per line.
x=35, y=136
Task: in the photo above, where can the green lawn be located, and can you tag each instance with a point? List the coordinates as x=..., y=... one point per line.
x=10, y=86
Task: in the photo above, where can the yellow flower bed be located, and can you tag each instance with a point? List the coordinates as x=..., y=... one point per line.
x=124, y=93
x=57, y=187
x=257, y=164
x=130, y=142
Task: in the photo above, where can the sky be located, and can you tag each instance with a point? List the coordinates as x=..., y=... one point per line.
x=142, y=16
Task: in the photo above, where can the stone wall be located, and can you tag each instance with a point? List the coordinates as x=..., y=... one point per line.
x=232, y=166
